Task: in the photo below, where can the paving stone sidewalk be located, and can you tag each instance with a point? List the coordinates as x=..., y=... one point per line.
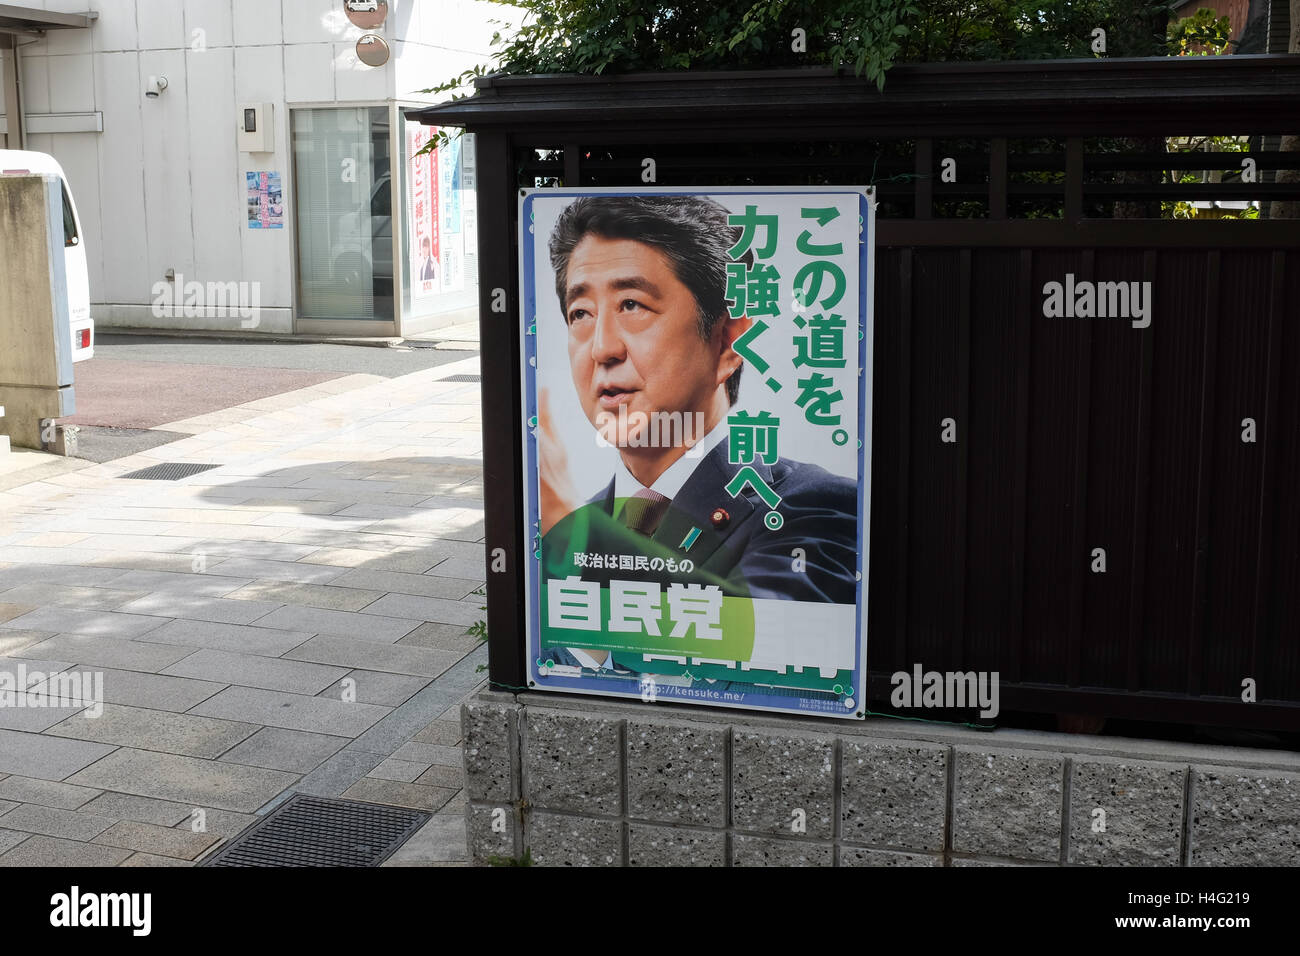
x=290, y=621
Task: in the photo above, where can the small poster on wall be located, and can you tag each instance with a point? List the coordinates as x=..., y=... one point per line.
x=449, y=210
x=265, y=200
x=425, y=264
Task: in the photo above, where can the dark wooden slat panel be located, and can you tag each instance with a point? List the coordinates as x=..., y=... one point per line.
x=1271, y=427
x=1080, y=549
x=1205, y=442
x=1115, y=408
x=964, y=287
x=935, y=565
x=1279, y=668
x=907, y=282
x=1240, y=391
x=885, y=640
x=1141, y=488
x=1051, y=562
x=992, y=509
x=1020, y=470
x=1176, y=389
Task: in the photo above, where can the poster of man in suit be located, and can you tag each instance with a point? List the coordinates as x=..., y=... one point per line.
x=697, y=454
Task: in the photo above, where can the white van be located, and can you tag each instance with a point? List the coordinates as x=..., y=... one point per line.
x=15, y=162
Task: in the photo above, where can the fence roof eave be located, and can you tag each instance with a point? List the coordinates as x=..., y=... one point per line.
x=1256, y=92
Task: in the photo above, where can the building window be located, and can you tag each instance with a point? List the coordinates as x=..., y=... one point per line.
x=344, y=214
x=441, y=268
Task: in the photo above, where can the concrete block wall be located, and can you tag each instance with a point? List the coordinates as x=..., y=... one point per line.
x=588, y=782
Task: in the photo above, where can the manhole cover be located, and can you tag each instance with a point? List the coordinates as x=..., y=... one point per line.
x=462, y=378
x=170, y=471
x=318, y=831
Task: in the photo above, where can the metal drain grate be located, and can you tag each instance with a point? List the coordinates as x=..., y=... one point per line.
x=170, y=471
x=462, y=378
x=317, y=831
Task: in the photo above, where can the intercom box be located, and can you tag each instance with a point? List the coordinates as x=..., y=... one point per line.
x=255, y=132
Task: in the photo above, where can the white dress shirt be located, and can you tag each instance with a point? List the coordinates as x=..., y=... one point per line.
x=670, y=482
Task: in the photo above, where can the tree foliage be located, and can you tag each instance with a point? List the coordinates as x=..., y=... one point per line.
x=964, y=30
x=866, y=36
x=626, y=36
x=1202, y=33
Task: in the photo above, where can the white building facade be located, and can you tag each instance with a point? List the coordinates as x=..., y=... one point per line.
x=238, y=167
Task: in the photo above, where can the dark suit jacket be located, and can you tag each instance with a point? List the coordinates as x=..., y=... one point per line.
x=820, y=512
x=742, y=555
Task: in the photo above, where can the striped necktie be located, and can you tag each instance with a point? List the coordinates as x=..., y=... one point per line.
x=644, y=510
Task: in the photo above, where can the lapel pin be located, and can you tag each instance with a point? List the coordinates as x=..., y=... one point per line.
x=720, y=518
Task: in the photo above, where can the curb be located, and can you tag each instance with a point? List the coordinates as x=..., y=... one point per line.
x=372, y=342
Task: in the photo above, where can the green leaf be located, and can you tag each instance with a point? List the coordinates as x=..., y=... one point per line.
x=616, y=36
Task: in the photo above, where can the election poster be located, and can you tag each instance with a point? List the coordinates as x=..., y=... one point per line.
x=452, y=235
x=265, y=200
x=696, y=448
x=424, y=267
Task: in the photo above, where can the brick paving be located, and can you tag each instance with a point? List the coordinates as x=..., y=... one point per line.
x=291, y=621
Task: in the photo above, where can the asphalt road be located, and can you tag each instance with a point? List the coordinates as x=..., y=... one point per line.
x=136, y=383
